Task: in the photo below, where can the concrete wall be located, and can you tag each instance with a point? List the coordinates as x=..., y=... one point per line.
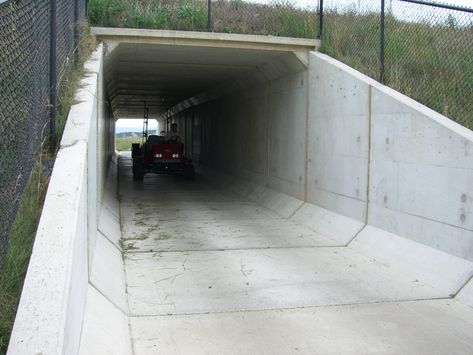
x=256, y=134
x=370, y=143
x=421, y=176
x=51, y=311
x=338, y=138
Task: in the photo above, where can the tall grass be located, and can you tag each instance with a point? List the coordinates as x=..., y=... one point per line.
x=177, y=15
x=279, y=18
x=15, y=264
x=21, y=239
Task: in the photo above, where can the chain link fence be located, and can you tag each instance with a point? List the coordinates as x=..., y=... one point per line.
x=426, y=51
x=26, y=64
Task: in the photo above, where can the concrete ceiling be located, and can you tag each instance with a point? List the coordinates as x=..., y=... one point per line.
x=164, y=75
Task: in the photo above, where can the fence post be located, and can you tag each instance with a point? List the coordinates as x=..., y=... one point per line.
x=52, y=76
x=209, y=16
x=321, y=19
x=382, y=42
x=76, y=32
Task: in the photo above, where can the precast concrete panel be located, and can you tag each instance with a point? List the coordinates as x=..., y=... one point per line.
x=338, y=143
x=421, y=176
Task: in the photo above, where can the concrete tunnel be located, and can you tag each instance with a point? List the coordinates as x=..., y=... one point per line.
x=321, y=219
x=233, y=106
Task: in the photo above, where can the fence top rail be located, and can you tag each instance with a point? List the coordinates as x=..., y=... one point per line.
x=440, y=5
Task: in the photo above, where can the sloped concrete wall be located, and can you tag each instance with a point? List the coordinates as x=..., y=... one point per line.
x=51, y=311
x=386, y=160
x=421, y=176
x=338, y=138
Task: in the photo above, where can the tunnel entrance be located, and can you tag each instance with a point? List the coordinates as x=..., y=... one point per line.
x=224, y=99
x=239, y=260
x=313, y=224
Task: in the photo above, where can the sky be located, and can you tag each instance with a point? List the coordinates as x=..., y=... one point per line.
x=133, y=125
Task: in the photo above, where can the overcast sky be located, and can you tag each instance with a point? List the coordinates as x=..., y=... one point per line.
x=124, y=124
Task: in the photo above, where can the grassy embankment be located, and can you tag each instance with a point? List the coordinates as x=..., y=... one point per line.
x=279, y=18
x=13, y=270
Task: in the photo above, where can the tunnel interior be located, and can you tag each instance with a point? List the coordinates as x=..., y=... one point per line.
x=238, y=111
x=271, y=239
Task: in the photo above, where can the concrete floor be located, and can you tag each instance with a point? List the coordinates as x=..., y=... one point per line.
x=209, y=272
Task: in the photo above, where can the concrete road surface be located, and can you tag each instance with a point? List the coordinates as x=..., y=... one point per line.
x=209, y=272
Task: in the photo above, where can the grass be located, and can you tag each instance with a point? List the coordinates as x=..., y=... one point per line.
x=16, y=261
x=279, y=18
x=23, y=231
x=124, y=143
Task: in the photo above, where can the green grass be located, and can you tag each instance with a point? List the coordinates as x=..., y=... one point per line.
x=21, y=243
x=21, y=239
x=279, y=18
x=124, y=143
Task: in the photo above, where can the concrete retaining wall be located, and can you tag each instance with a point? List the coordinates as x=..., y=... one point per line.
x=51, y=311
x=338, y=138
x=370, y=143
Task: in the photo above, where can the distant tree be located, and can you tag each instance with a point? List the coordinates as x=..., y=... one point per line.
x=451, y=22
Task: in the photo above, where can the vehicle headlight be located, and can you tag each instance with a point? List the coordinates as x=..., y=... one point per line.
x=175, y=155
x=159, y=155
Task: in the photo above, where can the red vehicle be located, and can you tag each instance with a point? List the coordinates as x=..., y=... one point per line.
x=159, y=156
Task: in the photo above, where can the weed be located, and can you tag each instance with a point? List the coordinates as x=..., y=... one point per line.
x=15, y=264
x=235, y=16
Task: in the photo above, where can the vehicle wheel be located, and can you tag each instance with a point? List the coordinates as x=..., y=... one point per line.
x=188, y=172
x=138, y=170
x=135, y=150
